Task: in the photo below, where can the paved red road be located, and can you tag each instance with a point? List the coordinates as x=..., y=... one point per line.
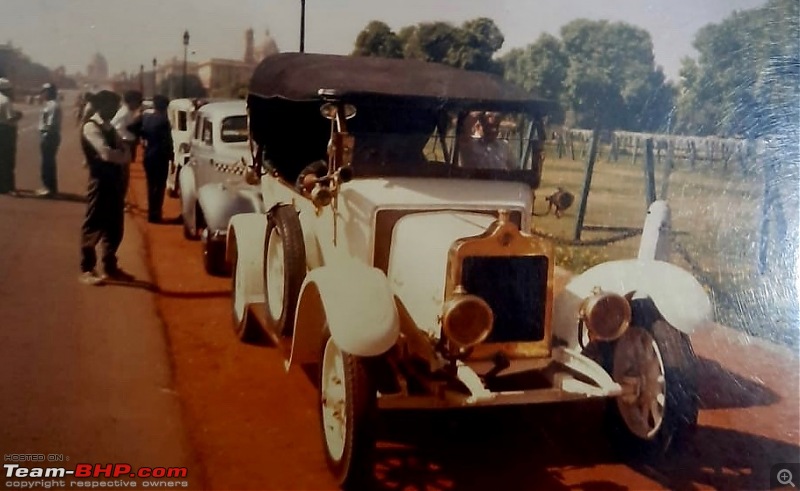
x=84, y=372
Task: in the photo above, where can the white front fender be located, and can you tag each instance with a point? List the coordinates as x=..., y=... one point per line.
x=356, y=303
x=679, y=297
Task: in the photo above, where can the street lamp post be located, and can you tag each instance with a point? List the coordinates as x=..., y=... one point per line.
x=154, y=77
x=141, y=79
x=185, y=54
x=302, y=26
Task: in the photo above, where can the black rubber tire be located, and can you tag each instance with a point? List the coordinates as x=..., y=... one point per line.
x=283, y=220
x=214, y=259
x=246, y=330
x=355, y=469
x=682, y=404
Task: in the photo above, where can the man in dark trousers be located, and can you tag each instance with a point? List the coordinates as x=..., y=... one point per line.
x=50, y=132
x=106, y=155
x=8, y=137
x=156, y=133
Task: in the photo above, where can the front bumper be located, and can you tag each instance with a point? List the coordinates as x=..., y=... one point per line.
x=572, y=377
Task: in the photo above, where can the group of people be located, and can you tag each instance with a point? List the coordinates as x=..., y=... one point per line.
x=50, y=138
x=110, y=134
x=112, y=127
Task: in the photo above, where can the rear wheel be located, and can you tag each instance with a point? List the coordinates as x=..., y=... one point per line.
x=284, y=268
x=347, y=416
x=658, y=412
x=214, y=259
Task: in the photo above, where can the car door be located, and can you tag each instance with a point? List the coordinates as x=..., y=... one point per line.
x=203, y=155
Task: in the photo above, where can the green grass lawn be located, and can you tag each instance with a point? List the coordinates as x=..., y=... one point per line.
x=717, y=217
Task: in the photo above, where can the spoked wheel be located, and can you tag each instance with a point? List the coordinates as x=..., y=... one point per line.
x=658, y=408
x=245, y=329
x=284, y=268
x=347, y=415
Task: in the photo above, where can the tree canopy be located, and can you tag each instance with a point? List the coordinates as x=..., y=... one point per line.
x=724, y=87
x=471, y=46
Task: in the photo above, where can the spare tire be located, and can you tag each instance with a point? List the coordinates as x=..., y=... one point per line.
x=284, y=268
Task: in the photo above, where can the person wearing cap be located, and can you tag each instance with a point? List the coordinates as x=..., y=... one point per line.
x=50, y=132
x=8, y=136
x=156, y=133
x=124, y=122
x=106, y=155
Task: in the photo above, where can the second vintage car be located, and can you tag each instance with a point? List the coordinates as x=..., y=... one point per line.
x=181, y=117
x=395, y=256
x=212, y=183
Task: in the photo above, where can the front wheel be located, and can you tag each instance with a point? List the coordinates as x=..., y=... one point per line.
x=347, y=416
x=659, y=408
x=284, y=268
x=245, y=329
x=214, y=259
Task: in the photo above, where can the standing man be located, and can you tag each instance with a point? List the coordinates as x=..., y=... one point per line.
x=484, y=149
x=8, y=137
x=50, y=131
x=123, y=122
x=158, y=153
x=106, y=154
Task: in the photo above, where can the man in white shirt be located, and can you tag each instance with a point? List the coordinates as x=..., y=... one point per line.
x=8, y=136
x=50, y=132
x=106, y=155
x=126, y=116
x=483, y=150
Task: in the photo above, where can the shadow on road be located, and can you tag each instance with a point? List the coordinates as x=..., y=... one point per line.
x=152, y=287
x=531, y=448
x=29, y=193
x=719, y=388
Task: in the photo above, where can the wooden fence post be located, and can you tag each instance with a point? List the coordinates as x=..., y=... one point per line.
x=635, y=150
x=692, y=154
x=572, y=145
x=668, y=168
x=649, y=173
x=587, y=183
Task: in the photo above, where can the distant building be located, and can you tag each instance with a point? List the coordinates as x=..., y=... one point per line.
x=221, y=76
x=97, y=70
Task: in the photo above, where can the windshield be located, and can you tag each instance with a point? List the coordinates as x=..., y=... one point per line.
x=487, y=141
x=234, y=129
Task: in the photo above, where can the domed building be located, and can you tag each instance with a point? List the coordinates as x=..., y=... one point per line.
x=267, y=48
x=97, y=70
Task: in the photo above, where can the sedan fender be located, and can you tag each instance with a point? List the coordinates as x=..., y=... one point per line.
x=186, y=182
x=357, y=305
x=679, y=297
x=246, y=237
x=220, y=202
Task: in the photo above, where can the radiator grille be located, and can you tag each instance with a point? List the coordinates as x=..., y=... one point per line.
x=516, y=290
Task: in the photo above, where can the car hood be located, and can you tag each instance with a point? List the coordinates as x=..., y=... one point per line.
x=367, y=196
x=418, y=260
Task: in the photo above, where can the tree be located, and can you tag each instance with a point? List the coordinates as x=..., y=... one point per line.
x=377, y=39
x=172, y=86
x=540, y=67
x=471, y=46
x=612, y=79
x=719, y=89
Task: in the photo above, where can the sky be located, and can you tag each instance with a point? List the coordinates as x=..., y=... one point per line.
x=132, y=32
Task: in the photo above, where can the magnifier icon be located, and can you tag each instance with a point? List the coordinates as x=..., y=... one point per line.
x=785, y=477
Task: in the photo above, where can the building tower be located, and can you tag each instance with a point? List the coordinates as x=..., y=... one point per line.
x=249, y=51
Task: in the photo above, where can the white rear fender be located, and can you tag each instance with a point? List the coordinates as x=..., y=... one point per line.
x=246, y=237
x=679, y=297
x=356, y=303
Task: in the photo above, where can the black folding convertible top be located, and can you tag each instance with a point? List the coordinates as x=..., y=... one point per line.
x=301, y=76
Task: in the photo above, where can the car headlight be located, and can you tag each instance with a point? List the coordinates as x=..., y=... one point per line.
x=467, y=319
x=606, y=315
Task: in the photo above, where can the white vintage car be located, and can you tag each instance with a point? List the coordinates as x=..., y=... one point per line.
x=412, y=281
x=212, y=182
x=181, y=117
